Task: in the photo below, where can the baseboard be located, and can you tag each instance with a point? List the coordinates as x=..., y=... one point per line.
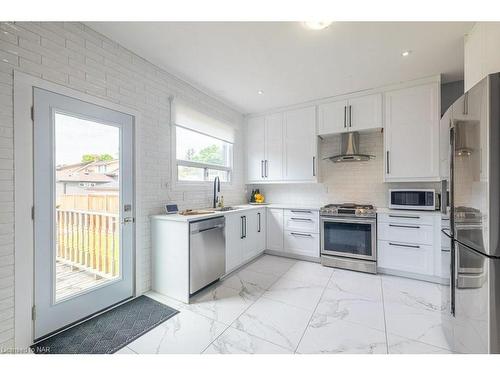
x=292, y=256
x=410, y=275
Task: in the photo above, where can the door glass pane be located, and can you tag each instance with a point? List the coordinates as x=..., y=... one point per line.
x=87, y=199
x=348, y=238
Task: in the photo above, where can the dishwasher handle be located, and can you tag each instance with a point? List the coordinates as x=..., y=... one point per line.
x=207, y=229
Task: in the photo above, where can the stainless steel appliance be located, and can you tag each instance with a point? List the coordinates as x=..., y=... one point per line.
x=207, y=252
x=349, y=237
x=471, y=223
x=413, y=199
x=349, y=149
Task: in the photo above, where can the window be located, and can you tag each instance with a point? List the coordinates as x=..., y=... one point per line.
x=203, y=147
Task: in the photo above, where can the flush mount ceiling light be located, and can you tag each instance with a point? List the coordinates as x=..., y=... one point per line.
x=317, y=25
x=260, y=92
x=405, y=53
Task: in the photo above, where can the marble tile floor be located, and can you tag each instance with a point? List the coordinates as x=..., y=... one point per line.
x=278, y=305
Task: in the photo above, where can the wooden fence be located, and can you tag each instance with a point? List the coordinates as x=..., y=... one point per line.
x=91, y=202
x=88, y=239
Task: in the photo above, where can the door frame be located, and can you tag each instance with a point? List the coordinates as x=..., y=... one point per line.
x=24, y=265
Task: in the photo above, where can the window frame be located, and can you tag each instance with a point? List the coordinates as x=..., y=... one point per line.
x=206, y=166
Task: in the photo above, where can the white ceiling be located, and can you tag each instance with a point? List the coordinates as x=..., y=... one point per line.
x=292, y=64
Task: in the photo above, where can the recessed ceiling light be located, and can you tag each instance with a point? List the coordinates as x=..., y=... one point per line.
x=260, y=92
x=317, y=25
x=405, y=53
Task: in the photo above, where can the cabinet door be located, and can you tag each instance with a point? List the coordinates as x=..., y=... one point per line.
x=332, y=117
x=365, y=112
x=300, y=144
x=256, y=132
x=274, y=232
x=444, y=144
x=260, y=241
x=255, y=233
x=274, y=147
x=234, y=248
x=473, y=56
x=412, y=134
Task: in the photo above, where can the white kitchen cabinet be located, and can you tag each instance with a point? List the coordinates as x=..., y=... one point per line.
x=273, y=165
x=301, y=243
x=274, y=231
x=411, y=134
x=354, y=114
x=256, y=148
x=235, y=241
x=300, y=145
x=409, y=244
x=444, y=144
x=332, y=117
x=481, y=52
x=265, y=148
x=255, y=233
x=365, y=112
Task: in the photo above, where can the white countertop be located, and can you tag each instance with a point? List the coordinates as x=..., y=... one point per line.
x=242, y=207
x=385, y=210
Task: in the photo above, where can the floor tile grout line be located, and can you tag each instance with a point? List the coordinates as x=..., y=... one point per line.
x=385, y=319
x=313, y=312
x=245, y=310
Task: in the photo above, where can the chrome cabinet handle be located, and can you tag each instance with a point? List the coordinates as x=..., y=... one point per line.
x=405, y=216
x=314, y=166
x=258, y=215
x=405, y=226
x=345, y=116
x=262, y=168
x=350, y=118
x=402, y=245
x=300, y=219
x=388, y=169
x=300, y=234
x=266, y=169
x=302, y=211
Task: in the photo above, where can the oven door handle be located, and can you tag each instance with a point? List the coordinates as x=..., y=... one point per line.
x=353, y=220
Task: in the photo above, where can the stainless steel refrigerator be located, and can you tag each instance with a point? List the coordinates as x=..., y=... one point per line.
x=471, y=220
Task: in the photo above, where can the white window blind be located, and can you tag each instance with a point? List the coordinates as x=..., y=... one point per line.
x=189, y=118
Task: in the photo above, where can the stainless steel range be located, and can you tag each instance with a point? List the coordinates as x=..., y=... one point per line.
x=349, y=237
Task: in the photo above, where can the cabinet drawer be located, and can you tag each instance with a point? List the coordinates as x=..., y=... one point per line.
x=302, y=243
x=404, y=257
x=301, y=224
x=406, y=233
x=406, y=218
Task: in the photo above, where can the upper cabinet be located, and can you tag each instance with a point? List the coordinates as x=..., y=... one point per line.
x=481, y=52
x=353, y=114
x=273, y=142
x=300, y=145
x=411, y=135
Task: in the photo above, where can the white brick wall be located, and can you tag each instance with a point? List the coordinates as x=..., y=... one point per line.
x=74, y=55
x=360, y=182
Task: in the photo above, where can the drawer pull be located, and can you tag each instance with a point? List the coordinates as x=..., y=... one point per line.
x=405, y=226
x=300, y=234
x=302, y=211
x=401, y=245
x=405, y=216
x=300, y=219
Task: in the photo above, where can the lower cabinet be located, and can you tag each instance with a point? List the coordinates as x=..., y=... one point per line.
x=409, y=244
x=245, y=236
x=293, y=232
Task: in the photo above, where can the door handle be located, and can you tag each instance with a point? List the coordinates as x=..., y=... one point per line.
x=258, y=215
x=314, y=166
x=300, y=219
x=345, y=116
x=388, y=169
x=262, y=168
x=350, y=118
x=128, y=220
x=300, y=234
x=405, y=216
x=242, y=231
x=266, y=170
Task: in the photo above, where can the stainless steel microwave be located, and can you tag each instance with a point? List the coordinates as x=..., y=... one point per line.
x=413, y=199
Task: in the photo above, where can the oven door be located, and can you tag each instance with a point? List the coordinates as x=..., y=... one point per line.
x=349, y=237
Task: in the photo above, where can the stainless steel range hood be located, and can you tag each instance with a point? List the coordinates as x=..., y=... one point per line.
x=349, y=149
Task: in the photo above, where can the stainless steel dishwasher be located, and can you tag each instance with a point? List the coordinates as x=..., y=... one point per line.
x=207, y=252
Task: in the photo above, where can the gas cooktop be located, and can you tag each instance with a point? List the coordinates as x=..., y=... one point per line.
x=348, y=209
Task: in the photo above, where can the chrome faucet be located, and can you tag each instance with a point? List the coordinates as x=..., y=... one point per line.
x=216, y=190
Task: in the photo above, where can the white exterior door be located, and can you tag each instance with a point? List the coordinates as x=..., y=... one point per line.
x=84, y=209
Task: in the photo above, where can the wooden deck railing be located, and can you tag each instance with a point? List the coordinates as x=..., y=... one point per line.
x=89, y=240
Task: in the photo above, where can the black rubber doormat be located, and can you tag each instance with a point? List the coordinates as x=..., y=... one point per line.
x=110, y=331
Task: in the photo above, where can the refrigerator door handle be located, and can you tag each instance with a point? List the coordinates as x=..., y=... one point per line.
x=444, y=198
